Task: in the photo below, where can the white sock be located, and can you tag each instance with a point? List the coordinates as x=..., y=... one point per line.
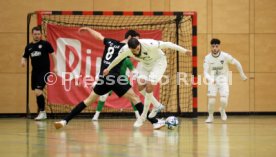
x=223, y=102
x=146, y=105
x=97, y=113
x=153, y=100
x=137, y=115
x=211, y=105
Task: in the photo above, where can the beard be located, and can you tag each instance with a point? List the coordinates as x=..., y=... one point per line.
x=215, y=53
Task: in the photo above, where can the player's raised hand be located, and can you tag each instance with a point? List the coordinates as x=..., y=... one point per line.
x=105, y=72
x=243, y=77
x=82, y=29
x=189, y=53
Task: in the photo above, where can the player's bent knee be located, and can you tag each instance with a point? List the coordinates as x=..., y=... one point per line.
x=141, y=81
x=224, y=100
x=38, y=92
x=149, y=88
x=103, y=97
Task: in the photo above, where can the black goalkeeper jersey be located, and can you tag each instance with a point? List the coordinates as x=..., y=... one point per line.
x=39, y=54
x=111, y=51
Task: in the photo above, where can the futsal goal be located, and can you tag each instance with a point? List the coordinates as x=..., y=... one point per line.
x=179, y=94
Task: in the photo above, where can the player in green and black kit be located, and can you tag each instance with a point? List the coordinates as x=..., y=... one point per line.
x=127, y=64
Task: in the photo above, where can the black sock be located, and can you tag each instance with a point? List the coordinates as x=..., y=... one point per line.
x=40, y=102
x=75, y=111
x=140, y=108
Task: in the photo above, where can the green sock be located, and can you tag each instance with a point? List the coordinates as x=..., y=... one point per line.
x=100, y=106
x=133, y=106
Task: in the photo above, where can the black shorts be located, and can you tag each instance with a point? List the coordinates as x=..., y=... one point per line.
x=38, y=80
x=105, y=85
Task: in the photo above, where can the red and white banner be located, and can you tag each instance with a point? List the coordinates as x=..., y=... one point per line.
x=78, y=61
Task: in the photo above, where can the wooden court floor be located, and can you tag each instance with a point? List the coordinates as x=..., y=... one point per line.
x=240, y=136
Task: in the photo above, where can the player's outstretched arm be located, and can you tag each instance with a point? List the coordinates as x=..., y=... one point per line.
x=95, y=34
x=173, y=46
x=239, y=68
x=116, y=61
x=132, y=69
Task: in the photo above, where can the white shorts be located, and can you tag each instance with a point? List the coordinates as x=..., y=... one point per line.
x=154, y=73
x=223, y=89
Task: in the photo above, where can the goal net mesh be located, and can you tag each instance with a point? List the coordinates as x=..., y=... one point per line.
x=176, y=95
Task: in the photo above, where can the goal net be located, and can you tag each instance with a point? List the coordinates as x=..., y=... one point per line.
x=179, y=94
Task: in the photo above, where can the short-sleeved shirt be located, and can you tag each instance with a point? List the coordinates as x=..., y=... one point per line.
x=150, y=52
x=111, y=51
x=218, y=65
x=110, y=82
x=39, y=54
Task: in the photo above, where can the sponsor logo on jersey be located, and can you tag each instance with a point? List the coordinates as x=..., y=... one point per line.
x=217, y=68
x=106, y=62
x=38, y=87
x=35, y=54
x=116, y=46
x=110, y=44
x=146, y=58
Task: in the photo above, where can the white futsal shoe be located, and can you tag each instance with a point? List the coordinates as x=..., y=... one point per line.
x=159, y=124
x=223, y=114
x=96, y=116
x=210, y=119
x=155, y=110
x=60, y=124
x=41, y=116
x=139, y=122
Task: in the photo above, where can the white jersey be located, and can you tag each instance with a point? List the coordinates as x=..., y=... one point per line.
x=151, y=51
x=215, y=67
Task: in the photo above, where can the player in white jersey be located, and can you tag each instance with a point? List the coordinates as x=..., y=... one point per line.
x=151, y=67
x=216, y=71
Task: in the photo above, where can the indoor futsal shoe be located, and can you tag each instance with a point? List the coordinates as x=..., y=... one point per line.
x=155, y=110
x=159, y=124
x=41, y=116
x=60, y=124
x=210, y=119
x=223, y=114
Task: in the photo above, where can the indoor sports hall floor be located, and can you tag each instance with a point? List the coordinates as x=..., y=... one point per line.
x=244, y=136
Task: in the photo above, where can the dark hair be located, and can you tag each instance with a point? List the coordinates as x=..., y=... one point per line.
x=133, y=43
x=215, y=41
x=37, y=28
x=131, y=33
